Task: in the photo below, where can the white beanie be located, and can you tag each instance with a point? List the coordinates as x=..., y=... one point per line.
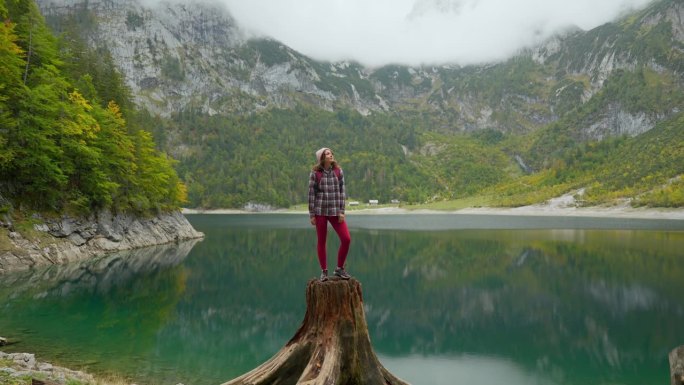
x=320, y=152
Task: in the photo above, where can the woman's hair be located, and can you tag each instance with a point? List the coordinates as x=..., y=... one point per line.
x=319, y=166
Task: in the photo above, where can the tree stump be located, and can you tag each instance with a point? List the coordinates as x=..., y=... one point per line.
x=331, y=347
x=677, y=366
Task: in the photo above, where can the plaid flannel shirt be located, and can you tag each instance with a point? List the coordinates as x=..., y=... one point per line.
x=326, y=197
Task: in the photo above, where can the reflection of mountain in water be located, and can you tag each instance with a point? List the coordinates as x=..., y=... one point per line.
x=98, y=274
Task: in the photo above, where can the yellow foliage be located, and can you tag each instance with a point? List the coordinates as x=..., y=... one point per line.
x=181, y=193
x=115, y=110
x=79, y=100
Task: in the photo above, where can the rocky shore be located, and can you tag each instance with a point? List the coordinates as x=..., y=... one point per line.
x=89, y=275
x=23, y=368
x=68, y=239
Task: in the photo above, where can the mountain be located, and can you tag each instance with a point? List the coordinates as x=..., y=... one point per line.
x=176, y=56
x=230, y=106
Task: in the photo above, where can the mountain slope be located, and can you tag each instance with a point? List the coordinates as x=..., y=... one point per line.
x=177, y=56
x=400, y=128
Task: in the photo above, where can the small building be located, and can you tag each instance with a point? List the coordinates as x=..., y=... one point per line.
x=373, y=202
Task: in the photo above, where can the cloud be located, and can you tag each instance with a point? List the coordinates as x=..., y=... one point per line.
x=415, y=32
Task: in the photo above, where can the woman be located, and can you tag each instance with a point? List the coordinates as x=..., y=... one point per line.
x=326, y=204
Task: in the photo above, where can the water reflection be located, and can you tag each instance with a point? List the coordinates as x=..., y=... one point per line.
x=462, y=370
x=475, y=306
x=102, y=314
x=100, y=274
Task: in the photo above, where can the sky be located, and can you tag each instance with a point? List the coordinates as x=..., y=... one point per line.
x=420, y=32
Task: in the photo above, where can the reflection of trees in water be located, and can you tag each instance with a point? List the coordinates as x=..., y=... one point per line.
x=103, y=311
x=564, y=304
x=244, y=300
x=572, y=302
x=545, y=299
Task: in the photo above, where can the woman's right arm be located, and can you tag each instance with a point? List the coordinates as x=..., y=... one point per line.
x=312, y=194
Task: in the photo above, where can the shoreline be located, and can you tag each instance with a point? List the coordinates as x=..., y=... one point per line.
x=625, y=212
x=21, y=367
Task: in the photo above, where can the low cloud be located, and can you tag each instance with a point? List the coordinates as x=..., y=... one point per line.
x=415, y=32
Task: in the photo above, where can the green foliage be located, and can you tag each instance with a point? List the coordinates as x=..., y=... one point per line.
x=7, y=379
x=567, y=95
x=133, y=20
x=92, y=71
x=461, y=166
x=267, y=157
x=10, y=85
x=172, y=68
x=59, y=150
x=651, y=161
x=266, y=51
x=398, y=76
x=647, y=167
x=339, y=83
x=670, y=195
x=639, y=91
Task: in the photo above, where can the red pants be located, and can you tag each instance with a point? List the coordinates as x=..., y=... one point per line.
x=322, y=234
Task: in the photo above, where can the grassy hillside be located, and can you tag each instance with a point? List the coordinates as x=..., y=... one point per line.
x=647, y=170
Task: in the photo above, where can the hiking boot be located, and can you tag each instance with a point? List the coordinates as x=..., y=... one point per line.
x=341, y=273
x=324, y=275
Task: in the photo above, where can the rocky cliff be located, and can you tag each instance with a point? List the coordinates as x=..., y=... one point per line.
x=179, y=56
x=68, y=239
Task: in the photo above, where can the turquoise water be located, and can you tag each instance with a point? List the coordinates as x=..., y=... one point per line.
x=450, y=299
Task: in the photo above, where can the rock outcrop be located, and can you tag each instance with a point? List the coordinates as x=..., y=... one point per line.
x=677, y=366
x=18, y=366
x=68, y=239
x=331, y=347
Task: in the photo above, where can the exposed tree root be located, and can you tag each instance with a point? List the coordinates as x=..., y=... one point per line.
x=331, y=347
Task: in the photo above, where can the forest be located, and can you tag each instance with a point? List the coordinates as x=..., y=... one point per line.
x=69, y=141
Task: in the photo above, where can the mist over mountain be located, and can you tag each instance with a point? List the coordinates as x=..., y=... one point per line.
x=420, y=32
x=211, y=84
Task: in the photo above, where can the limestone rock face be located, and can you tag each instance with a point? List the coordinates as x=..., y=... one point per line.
x=67, y=239
x=332, y=346
x=177, y=56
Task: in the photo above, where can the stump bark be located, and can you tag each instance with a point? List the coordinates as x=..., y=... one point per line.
x=331, y=347
x=677, y=366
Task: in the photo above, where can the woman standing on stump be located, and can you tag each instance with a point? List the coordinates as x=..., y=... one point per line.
x=326, y=204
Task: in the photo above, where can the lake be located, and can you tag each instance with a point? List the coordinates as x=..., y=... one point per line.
x=449, y=299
